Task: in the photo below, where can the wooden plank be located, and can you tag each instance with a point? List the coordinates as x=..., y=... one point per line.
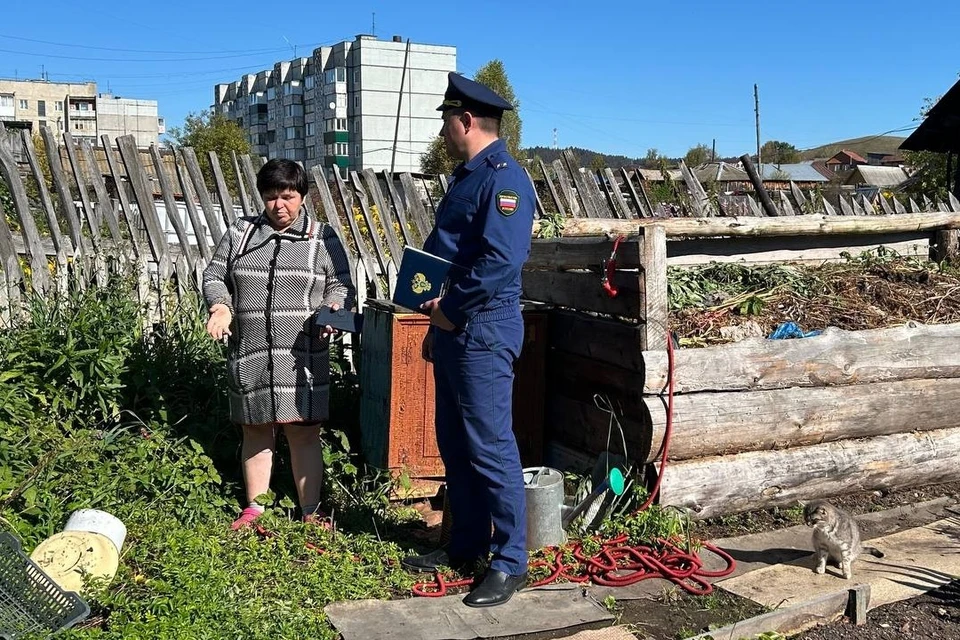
x=251, y=175
x=617, y=201
x=369, y=179
x=857, y=209
x=203, y=195
x=913, y=206
x=346, y=199
x=93, y=220
x=199, y=231
x=579, y=180
x=947, y=244
x=701, y=203
x=557, y=254
x=557, y=204
x=415, y=206
x=885, y=205
x=406, y=230
x=653, y=283
x=801, y=199
x=170, y=207
x=723, y=485
x=600, y=340
x=329, y=209
x=651, y=210
x=63, y=189
x=223, y=193
x=360, y=197
x=539, y=210
x=114, y=165
x=248, y=209
x=786, y=207
x=591, y=182
x=954, y=203
x=580, y=425
x=845, y=208
x=638, y=210
x=143, y=193
x=39, y=276
x=567, y=187
x=104, y=203
x=582, y=291
x=807, y=225
x=45, y=201
x=898, y=207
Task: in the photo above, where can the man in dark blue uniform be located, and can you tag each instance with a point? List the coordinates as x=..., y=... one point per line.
x=483, y=224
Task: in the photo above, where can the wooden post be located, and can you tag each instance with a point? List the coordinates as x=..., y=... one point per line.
x=63, y=190
x=143, y=193
x=203, y=195
x=45, y=200
x=755, y=178
x=38, y=259
x=104, y=203
x=170, y=207
x=653, y=276
x=223, y=193
x=125, y=207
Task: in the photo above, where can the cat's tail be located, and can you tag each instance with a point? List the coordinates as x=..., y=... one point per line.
x=876, y=553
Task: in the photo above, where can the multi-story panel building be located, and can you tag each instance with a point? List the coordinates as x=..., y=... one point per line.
x=344, y=106
x=77, y=108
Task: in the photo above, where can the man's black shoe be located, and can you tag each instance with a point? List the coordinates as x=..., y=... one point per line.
x=497, y=587
x=430, y=562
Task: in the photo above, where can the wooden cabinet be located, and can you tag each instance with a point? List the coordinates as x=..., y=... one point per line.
x=397, y=392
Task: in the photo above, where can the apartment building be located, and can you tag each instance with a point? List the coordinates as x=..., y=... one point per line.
x=345, y=105
x=79, y=109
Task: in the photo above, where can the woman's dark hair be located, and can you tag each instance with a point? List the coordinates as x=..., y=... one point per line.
x=281, y=174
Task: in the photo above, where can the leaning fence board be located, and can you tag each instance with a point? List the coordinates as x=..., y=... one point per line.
x=63, y=188
x=580, y=253
x=567, y=187
x=406, y=231
x=223, y=192
x=583, y=291
x=248, y=208
x=104, y=204
x=45, y=201
x=93, y=220
x=539, y=210
x=251, y=176
x=558, y=205
x=415, y=206
x=143, y=192
x=199, y=231
x=722, y=485
x=170, y=206
x=346, y=199
x=360, y=198
x=189, y=157
x=114, y=166
x=637, y=205
x=617, y=201
x=384, y=213
x=709, y=424
x=38, y=260
x=780, y=226
x=700, y=201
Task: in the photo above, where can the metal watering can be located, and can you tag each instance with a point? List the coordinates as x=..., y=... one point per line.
x=547, y=515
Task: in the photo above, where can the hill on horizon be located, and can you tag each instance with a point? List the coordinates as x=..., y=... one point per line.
x=549, y=154
x=863, y=146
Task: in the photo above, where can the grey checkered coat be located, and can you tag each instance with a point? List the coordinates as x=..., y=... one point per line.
x=278, y=367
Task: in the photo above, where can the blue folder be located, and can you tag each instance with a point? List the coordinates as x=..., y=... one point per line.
x=422, y=276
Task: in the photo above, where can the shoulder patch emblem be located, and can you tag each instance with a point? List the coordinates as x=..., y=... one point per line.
x=507, y=202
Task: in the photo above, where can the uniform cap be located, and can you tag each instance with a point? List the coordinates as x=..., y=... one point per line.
x=463, y=93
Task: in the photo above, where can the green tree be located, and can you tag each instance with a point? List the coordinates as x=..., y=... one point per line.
x=597, y=163
x=929, y=167
x=207, y=131
x=697, y=155
x=777, y=152
x=436, y=161
x=652, y=159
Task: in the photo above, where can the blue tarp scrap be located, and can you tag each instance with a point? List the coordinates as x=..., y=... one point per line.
x=792, y=330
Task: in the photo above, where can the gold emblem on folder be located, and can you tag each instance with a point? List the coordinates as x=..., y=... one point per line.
x=420, y=284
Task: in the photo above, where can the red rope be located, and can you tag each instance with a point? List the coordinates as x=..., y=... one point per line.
x=618, y=564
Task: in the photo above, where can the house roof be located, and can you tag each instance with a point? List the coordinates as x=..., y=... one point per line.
x=853, y=155
x=823, y=169
x=654, y=175
x=720, y=172
x=796, y=172
x=877, y=176
x=940, y=130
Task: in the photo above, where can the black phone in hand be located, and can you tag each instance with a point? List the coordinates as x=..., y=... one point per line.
x=340, y=319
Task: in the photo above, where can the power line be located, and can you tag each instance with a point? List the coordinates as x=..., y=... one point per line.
x=83, y=46
x=61, y=57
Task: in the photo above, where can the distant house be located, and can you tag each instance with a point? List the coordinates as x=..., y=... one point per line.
x=655, y=175
x=824, y=169
x=871, y=176
x=776, y=177
x=720, y=172
x=845, y=160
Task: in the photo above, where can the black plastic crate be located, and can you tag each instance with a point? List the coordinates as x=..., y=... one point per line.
x=30, y=602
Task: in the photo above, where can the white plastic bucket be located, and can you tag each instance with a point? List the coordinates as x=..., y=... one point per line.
x=96, y=521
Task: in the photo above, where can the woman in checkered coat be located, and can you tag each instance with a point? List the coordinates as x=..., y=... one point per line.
x=267, y=278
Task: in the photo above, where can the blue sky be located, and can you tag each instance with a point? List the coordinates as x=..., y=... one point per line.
x=617, y=77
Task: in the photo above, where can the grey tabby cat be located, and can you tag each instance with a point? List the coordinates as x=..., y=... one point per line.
x=835, y=537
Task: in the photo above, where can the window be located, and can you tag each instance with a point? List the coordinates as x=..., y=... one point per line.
x=293, y=133
x=78, y=126
x=341, y=74
x=356, y=75
x=356, y=149
x=341, y=124
x=293, y=110
x=6, y=100
x=24, y=104
x=42, y=108
x=356, y=125
x=342, y=149
x=330, y=76
x=271, y=137
x=356, y=101
x=308, y=82
x=271, y=93
x=341, y=101
x=310, y=129
x=58, y=106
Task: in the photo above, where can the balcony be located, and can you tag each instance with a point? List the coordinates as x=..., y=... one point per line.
x=78, y=114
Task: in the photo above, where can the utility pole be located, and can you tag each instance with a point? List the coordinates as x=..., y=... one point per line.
x=756, y=109
x=713, y=151
x=396, y=130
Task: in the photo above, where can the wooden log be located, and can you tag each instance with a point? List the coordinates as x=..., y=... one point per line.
x=784, y=226
x=170, y=207
x=653, y=284
x=114, y=165
x=245, y=202
x=189, y=158
x=583, y=291
x=45, y=201
x=567, y=187
x=557, y=254
x=62, y=187
x=554, y=195
x=200, y=233
x=406, y=231
x=758, y=187
x=38, y=261
x=947, y=244
x=104, y=203
x=143, y=193
x=369, y=179
x=415, y=206
x=723, y=485
x=223, y=193
x=836, y=357
x=93, y=220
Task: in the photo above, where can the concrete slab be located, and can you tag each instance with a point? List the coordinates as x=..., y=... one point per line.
x=448, y=618
x=916, y=560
